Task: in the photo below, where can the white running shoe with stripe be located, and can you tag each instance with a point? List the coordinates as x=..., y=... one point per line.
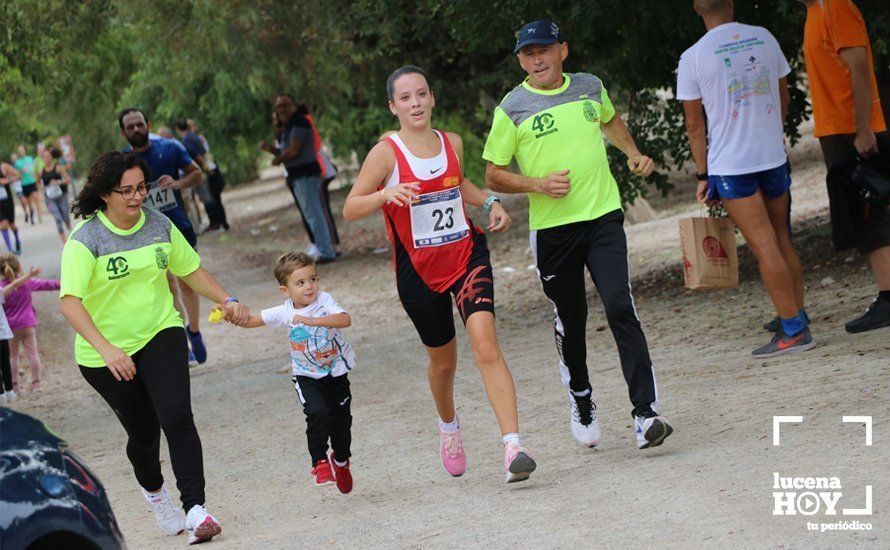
x=201, y=525
x=651, y=431
x=169, y=516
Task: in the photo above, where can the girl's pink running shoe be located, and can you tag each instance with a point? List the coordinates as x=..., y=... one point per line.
x=518, y=463
x=451, y=449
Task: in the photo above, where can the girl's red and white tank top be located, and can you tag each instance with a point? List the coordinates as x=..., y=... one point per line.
x=433, y=237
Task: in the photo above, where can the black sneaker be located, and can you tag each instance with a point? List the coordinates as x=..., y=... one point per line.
x=877, y=316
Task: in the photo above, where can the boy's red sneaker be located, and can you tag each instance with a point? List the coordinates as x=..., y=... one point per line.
x=343, y=475
x=322, y=472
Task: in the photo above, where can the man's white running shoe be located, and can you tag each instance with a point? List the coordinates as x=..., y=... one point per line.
x=651, y=431
x=169, y=516
x=313, y=251
x=585, y=426
x=201, y=525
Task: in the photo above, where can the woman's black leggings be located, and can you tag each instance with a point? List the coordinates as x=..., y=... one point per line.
x=5, y=369
x=157, y=397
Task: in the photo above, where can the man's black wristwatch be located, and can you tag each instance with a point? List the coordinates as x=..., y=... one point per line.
x=702, y=177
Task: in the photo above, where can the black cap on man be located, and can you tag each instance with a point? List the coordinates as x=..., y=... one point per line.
x=541, y=31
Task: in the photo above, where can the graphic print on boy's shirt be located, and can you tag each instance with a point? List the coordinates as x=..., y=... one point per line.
x=315, y=351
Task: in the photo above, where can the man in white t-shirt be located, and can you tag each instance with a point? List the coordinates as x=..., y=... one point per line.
x=735, y=74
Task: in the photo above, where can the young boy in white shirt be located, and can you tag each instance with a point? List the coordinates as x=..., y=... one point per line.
x=321, y=359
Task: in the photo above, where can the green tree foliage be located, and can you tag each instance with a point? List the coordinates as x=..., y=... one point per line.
x=68, y=67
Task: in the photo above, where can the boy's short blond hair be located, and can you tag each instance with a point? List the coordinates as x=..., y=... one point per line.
x=286, y=264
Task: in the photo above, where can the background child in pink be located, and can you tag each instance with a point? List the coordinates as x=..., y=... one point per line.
x=22, y=317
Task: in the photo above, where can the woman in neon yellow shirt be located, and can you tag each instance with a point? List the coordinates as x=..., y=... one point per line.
x=130, y=344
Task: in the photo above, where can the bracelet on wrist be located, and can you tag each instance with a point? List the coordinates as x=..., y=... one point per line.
x=489, y=202
x=701, y=176
x=229, y=300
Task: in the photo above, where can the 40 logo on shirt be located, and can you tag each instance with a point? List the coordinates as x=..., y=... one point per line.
x=543, y=124
x=117, y=268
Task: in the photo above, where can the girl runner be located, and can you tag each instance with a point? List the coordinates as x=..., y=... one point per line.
x=415, y=176
x=130, y=345
x=22, y=316
x=8, y=175
x=55, y=188
x=7, y=388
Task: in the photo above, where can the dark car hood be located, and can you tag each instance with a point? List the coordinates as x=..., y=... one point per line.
x=19, y=431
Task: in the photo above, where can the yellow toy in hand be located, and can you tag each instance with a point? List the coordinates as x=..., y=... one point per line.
x=215, y=316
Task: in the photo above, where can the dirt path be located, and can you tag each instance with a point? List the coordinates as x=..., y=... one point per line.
x=709, y=486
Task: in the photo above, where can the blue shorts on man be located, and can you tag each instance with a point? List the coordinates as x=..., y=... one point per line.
x=774, y=183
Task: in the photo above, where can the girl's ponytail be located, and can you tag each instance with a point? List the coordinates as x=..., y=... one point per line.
x=10, y=266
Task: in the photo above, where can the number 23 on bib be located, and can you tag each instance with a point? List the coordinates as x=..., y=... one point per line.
x=438, y=218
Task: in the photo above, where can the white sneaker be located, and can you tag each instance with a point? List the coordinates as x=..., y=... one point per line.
x=170, y=518
x=313, y=251
x=11, y=396
x=201, y=525
x=585, y=426
x=651, y=431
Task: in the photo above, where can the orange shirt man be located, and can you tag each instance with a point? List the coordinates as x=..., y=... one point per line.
x=831, y=27
x=850, y=124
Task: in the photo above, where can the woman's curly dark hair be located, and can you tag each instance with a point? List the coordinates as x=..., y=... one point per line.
x=105, y=175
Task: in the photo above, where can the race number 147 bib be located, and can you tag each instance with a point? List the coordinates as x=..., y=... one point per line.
x=438, y=218
x=160, y=199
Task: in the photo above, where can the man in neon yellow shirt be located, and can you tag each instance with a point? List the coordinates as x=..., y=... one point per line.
x=552, y=124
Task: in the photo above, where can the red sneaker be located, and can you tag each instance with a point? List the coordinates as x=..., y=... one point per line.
x=343, y=475
x=322, y=472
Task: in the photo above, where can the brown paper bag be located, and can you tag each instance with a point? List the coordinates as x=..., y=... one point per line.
x=710, y=259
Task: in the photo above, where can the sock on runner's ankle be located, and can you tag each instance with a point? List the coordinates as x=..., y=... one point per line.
x=794, y=325
x=514, y=437
x=157, y=493
x=452, y=426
